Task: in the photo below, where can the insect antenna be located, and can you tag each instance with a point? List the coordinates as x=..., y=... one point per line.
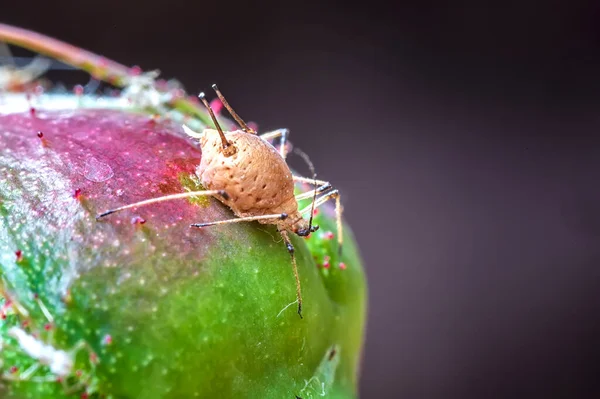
x=306, y=159
x=237, y=118
x=226, y=144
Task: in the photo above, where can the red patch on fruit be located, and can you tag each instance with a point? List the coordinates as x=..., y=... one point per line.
x=13, y=369
x=137, y=162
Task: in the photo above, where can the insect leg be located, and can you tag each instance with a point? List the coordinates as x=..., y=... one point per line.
x=323, y=185
x=290, y=249
x=165, y=198
x=283, y=133
x=280, y=216
x=332, y=194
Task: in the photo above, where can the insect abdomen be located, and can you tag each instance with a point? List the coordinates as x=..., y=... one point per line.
x=256, y=178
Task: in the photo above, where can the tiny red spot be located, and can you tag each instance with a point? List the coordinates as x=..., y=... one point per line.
x=315, y=212
x=32, y=111
x=19, y=255
x=326, y=262
x=40, y=134
x=342, y=266
x=36, y=296
x=59, y=379
x=216, y=106
x=178, y=94
x=107, y=340
x=153, y=120
x=25, y=323
x=328, y=235
x=78, y=90
x=3, y=316
x=78, y=373
x=93, y=358
x=162, y=84
x=77, y=193
x=253, y=126
x=85, y=395
x=48, y=327
x=135, y=70
x=137, y=220
x=14, y=369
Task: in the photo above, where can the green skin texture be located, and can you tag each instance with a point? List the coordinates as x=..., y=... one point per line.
x=190, y=313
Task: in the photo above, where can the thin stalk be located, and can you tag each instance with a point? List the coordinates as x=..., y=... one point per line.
x=98, y=66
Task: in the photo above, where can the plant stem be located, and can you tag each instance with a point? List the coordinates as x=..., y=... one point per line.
x=99, y=67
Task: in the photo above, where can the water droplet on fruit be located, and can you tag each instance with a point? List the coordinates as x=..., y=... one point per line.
x=97, y=171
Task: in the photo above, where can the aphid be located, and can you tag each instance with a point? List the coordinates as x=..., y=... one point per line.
x=244, y=171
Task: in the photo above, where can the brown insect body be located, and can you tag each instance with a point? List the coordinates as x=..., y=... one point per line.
x=255, y=177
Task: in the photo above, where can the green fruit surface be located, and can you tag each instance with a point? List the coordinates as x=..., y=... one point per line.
x=165, y=310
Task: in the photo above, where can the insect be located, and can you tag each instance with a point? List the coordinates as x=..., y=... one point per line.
x=244, y=171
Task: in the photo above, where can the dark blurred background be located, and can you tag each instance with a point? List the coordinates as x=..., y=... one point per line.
x=465, y=138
